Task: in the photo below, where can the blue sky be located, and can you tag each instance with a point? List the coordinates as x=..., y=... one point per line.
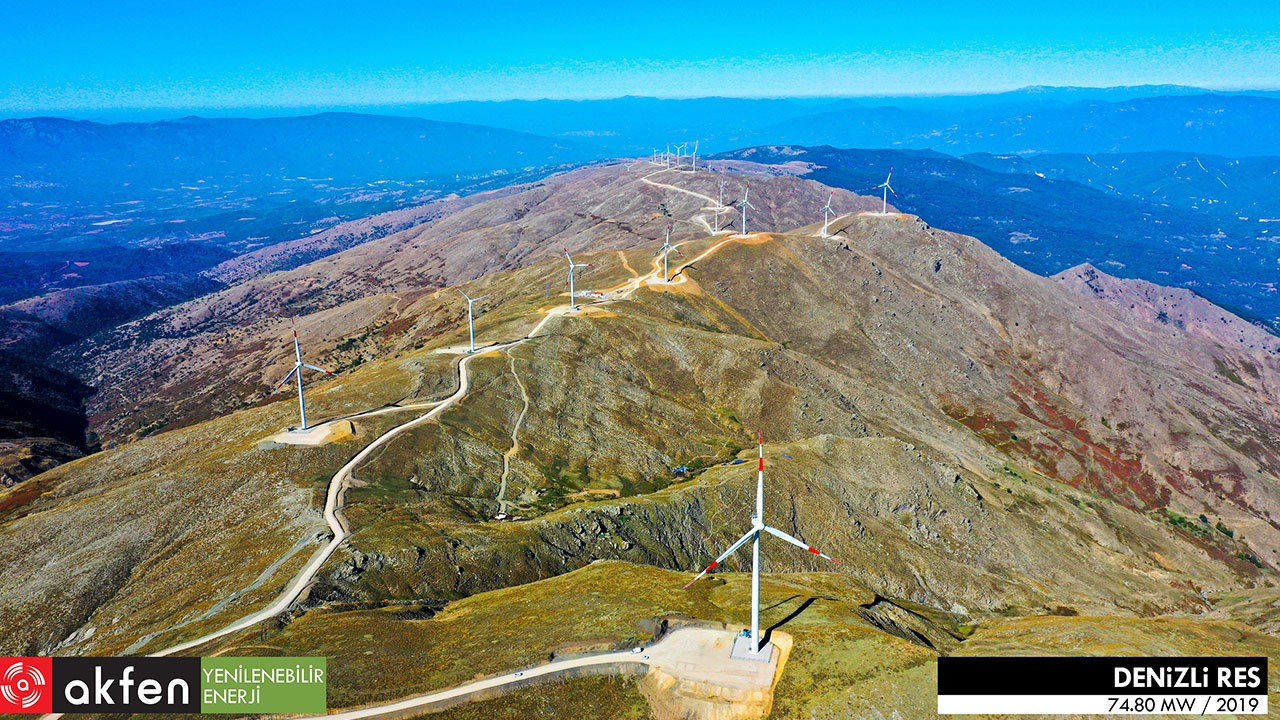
x=93, y=55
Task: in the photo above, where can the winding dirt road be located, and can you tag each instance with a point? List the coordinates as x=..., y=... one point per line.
x=338, y=485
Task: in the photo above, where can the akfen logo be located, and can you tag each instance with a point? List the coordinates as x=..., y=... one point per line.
x=240, y=685
x=26, y=685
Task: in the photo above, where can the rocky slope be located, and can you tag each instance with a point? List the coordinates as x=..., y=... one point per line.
x=1186, y=314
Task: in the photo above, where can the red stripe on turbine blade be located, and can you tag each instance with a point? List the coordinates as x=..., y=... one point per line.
x=815, y=552
x=713, y=565
x=762, y=464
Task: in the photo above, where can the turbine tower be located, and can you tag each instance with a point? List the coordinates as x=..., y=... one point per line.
x=573, y=299
x=694, y=164
x=746, y=204
x=827, y=214
x=298, y=365
x=887, y=188
x=471, y=319
x=665, y=251
x=753, y=535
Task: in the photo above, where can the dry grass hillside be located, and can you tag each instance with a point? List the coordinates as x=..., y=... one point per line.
x=223, y=351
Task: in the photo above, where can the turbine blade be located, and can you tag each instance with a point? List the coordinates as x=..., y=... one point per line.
x=779, y=534
x=714, y=563
x=319, y=369
x=286, y=378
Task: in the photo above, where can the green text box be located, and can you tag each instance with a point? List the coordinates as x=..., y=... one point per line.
x=263, y=685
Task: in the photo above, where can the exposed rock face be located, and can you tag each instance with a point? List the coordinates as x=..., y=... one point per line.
x=1186, y=315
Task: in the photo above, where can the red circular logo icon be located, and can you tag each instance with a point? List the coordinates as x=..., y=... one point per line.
x=25, y=685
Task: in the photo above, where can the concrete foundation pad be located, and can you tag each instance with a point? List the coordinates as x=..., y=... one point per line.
x=694, y=672
x=314, y=436
x=742, y=651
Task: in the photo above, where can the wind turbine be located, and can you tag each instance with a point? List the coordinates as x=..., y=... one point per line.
x=680, y=151
x=746, y=204
x=753, y=535
x=884, y=207
x=665, y=251
x=666, y=159
x=827, y=214
x=471, y=320
x=694, y=164
x=298, y=365
x=573, y=299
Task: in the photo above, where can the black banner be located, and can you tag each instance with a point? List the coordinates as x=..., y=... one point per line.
x=1101, y=675
x=126, y=685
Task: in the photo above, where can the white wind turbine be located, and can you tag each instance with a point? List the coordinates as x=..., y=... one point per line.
x=887, y=188
x=666, y=158
x=746, y=204
x=573, y=299
x=471, y=319
x=665, y=251
x=694, y=163
x=298, y=365
x=827, y=213
x=680, y=151
x=753, y=535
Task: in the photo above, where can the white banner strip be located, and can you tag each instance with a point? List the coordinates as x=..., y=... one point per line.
x=1102, y=704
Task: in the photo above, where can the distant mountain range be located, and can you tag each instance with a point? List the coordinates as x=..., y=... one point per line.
x=1120, y=120
x=190, y=193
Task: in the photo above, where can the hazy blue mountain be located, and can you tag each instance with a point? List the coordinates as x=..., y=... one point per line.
x=630, y=125
x=1048, y=225
x=1033, y=119
x=345, y=145
x=83, y=203
x=1231, y=125
x=1225, y=188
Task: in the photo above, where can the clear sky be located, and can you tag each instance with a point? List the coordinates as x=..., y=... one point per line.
x=86, y=55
